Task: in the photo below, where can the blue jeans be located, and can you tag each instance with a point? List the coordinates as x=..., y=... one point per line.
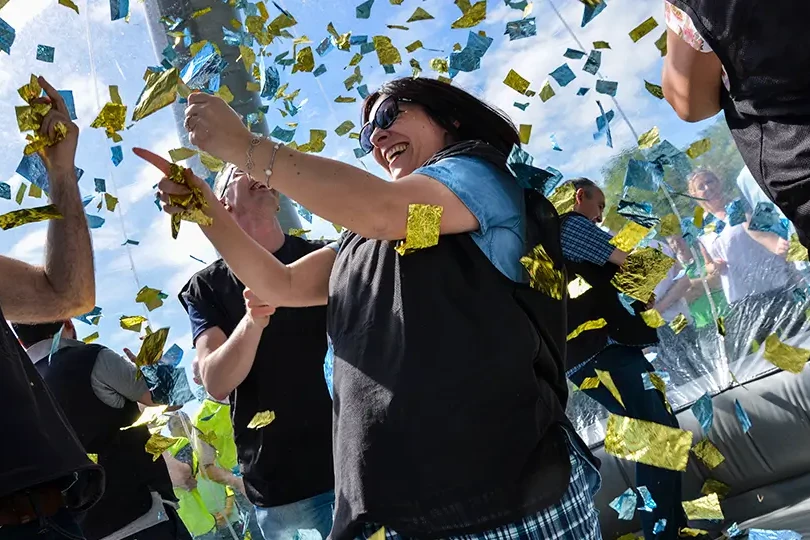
x=626, y=365
x=284, y=522
x=61, y=526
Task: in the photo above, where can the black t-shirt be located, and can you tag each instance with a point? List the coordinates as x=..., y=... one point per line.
x=41, y=445
x=291, y=459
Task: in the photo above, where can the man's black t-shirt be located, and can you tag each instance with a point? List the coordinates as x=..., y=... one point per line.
x=41, y=446
x=291, y=459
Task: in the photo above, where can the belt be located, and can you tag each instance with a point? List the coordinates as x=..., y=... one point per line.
x=30, y=505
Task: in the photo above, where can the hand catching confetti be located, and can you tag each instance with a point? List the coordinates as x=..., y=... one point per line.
x=56, y=122
x=257, y=309
x=216, y=128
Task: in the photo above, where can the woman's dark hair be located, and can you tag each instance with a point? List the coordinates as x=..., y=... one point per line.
x=447, y=105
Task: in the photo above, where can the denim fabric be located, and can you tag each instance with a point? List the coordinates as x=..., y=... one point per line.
x=626, y=366
x=284, y=522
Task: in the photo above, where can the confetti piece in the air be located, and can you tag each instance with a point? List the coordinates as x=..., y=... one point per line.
x=316, y=141
x=715, y=486
x=158, y=444
x=422, y=229
x=647, y=442
x=593, y=63
x=697, y=218
x=563, y=75
x=152, y=348
x=320, y=70
x=654, y=89
x=782, y=355
x=414, y=46
x=419, y=15
x=304, y=61
x=363, y=11
x=28, y=215
x=625, y=504
x=543, y=275
x=20, y=193
x=110, y=202
x=642, y=271
x=796, y=251
x=34, y=191
x=200, y=12
x=648, y=504
x=584, y=327
x=767, y=218
x=117, y=155
x=7, y=35
x=150, y=415
x=563, y=198
x=643, y=29
x=70, y=4
x=546, y=91
x=650, y=138
x=439, y=64
x=591, y=11
x=472, y=15
x=660, y=526
x=5, y=191
x=520, y=165
x=644, y=175
x=261, y=419
x=298, y=232
x=45, y=53
x=582, y=91
x=151, y=298
x=704, y=412
x=607, y=380
x=589, y=383
x=181, y=154
x=554, y=144
x=525, y=131
x=573, y=54
x=661, y=44
x=629, y=236
x=344, y=128
x=607, y=87
x=517, y=83
x=112, y=118
x=119, y=9
x=707, y=507
x=132, y=323
x=679, y=323
x=469, y=58
x=708, y=453
x=91, y=338
x=653, y=318
x=521, y=29
x=601, y=45
x=698, y=148
x=160, y=91
x=387, y=54
x=93, y=458
x=603, y=125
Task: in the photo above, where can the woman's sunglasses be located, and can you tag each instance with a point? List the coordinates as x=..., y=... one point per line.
x=384, y=117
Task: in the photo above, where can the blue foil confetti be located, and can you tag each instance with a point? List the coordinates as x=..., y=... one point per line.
x=117, y=155
x=284, y=135
x=131, y=242
x=733, y=530
x=521, y=106
x=603, y=125
x=100, y=185
x=607, y=87
x=363, y=11
x=67, y=95
x=32, y=168
x=554, y=144
x=45, y=53
x=168, y=385
x=271, y=83
x=644, y=175
x=304, y=213
x=95, y=312
x=627, y=303
x=591, y=12
x=173, y=356
x=7, y=35
x=203, y=67
x=516, y=4
x=593, y=63
x=389, y=69
x=640, y=212
x=563, y=75
x=660, y=526
x=363, y=91
x=320, y=70
x=766, y=218
x=735, y=212
x=625, y=504
x=366, y=48
x=119, y=9
x=358, y=40
x=582, y=91
x=742, y=416
x=647, y=502
x=519, y=163
x=799, y=295
x=237, y=38
x=324, y=47
x=198, y=259
x=521, y=29
x=359, y=153
x=469, y=58
x=57, y=337
x=704, y=412
x=5, y=191
x=765, y=534
x=573, y=54
x=94, y=222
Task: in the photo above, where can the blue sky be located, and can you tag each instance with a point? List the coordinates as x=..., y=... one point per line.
x=93, y=52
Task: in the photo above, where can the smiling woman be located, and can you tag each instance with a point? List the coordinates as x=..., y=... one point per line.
x=436, y=350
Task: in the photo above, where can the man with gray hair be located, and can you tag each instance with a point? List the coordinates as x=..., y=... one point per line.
x=262, y=366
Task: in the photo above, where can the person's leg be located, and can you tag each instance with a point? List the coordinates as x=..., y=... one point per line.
x=282, y=522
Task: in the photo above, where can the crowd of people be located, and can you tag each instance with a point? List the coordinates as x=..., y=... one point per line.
x=418, y=389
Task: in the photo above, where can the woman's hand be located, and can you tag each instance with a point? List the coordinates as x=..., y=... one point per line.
x=167, y=187
x=216, y=128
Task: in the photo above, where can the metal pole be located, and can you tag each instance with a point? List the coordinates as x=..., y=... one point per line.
x=209, y=27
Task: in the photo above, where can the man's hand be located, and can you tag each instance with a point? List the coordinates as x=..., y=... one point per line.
x=782, y=247
x=258, y=310
x=60, y=156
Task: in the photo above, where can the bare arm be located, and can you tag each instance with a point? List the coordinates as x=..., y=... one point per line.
x=65, y=285
x=618, y=257
x=691, y=80
x=179, y=472
x=770, y=241
x=226, y=361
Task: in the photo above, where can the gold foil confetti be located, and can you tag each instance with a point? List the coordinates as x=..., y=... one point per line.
x=277, y=25
x=648, y=139
x=150, y=415
x=111, y=202
x=417, y=69
x=28, y=215
x=298, y=232
x=304, y=60
x=607, y=380
x=698, y=217
x=248, y=57
x=661, y=44
x=653, y=318
x=225, y=93
x=419, y=15
x=796, y=252
x=601, y=45
x=708, y=453
x=679, y=323
x=721, y=326
x=445, y=80
x=181, y=154
x=654, y=89
x=341, y=99
x=261, y=419
x=342, y=42
x=641, y=272
x=643, y=29
x=160, y=91
x=386, y=52
x=91, y=338
x=93, y=458
x=517, y=83
x=661, y=386
x=472, y=15
x=629, y=237
x=578, y=287
x=707, y=507
x=201, y=12
x=210, y=162
x=584, y=327
x=157, y=444
x=423, y=228
x=316, y=142
x=414, y=46
x=29, y=118
x=193, y=203
x=782, y=355
x=525, y=131
x=34, y=191
x=152, y=348
x=344, y=128
x=20, y=193
x=542, y=274
x=589, y=383
x=379, y=535
x=694, y=533
x=70, y=4
x=546, y=91
x=112, y=118
x=151, y=298
x=698, y=148
x=564, y=198
x=439, y=64
x=715, y=486
x=648, y=443
x=397, y=27
x=670, y=225
x=132, y=322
